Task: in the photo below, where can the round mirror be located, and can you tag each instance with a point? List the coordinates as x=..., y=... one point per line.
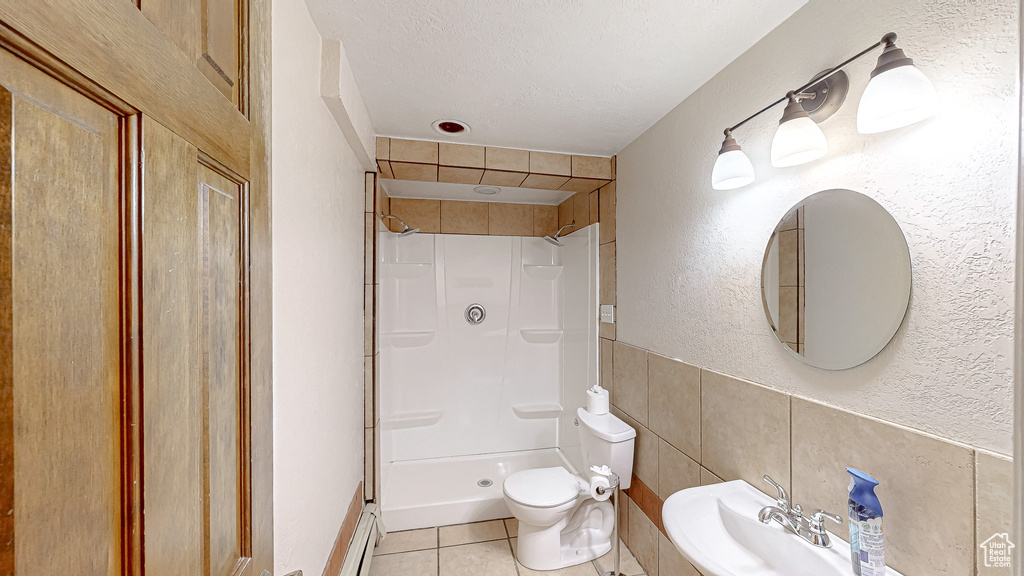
x=836, y=279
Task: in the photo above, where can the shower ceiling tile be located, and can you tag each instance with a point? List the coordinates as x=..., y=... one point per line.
x=511, y=219
x=545, y=220
x=463, y=217
x=454, y=175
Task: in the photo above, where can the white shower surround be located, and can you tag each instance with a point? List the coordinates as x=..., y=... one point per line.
x=689, y=258
x=461, y=402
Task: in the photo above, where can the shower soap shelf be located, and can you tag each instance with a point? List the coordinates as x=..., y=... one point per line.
x=542, y=271
x=411, y=339
x=541, y=336
x=403, y=420
x=537, y=411
x=407, y=270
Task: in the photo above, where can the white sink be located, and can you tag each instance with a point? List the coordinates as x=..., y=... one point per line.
x=717, y=530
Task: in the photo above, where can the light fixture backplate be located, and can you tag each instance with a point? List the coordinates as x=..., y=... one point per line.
x=830, y=95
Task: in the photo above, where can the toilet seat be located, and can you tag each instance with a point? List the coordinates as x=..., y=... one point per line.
x=542, y=487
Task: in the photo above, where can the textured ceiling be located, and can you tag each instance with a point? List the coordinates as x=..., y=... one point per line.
x=575, y=76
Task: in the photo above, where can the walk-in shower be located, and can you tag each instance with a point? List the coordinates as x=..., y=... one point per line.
x=488, y=345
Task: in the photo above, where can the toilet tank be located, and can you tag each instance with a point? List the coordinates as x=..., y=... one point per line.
x=606, y=440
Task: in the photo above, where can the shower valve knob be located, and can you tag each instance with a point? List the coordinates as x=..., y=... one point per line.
x=475, y=314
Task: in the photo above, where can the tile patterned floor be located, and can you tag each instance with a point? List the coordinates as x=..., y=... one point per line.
x=477, y=549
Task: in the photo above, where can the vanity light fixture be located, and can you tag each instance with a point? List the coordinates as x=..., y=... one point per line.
x=798, y=139
x=897, y=95
x=732, y=169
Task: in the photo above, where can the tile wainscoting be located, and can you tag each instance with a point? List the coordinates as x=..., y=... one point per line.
x=695, y=427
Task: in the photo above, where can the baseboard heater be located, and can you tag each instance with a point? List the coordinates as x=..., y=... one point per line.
x=364, y=539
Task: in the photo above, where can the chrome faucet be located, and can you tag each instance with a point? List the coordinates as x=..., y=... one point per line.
x=792, y=518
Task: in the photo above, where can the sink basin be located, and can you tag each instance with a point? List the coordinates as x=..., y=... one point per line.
x=716, y=528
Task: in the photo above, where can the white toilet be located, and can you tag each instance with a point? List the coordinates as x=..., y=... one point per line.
x=560, y=524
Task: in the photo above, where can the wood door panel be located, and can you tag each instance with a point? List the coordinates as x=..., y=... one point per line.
x=60, y=268
x=197, y=499
x=115, y=45
x=173, y=399
x=220, y=210
x=221, y=46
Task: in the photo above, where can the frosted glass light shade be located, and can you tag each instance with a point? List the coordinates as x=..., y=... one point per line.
x=732, y=170
x=896, y=98
x=796, y=142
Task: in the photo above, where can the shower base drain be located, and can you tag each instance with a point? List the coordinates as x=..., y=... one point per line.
x=485, y=483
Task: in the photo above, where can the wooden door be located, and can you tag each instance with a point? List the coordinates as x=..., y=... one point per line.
x=135, y=414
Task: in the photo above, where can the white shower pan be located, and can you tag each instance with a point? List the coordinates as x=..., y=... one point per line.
x=442, y=491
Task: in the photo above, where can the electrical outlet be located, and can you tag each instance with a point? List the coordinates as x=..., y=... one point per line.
x=608, y=314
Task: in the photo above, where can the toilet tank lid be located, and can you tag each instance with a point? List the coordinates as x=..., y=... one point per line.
x=606, y=426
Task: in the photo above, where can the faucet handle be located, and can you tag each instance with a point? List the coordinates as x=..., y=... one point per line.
x=818, y=519
x=782, y=499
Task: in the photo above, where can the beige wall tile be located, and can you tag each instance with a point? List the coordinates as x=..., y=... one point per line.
x=606, y=331
x=376, y=461
x=675, y=402
x=416, y=172
x=413, y=151
x=581, y=209
x=383, y=202
x=463, y=155
x=788, y=258
x=606, y=364
x=628, y=566
x=469, y=533
x=500, y=178
x=510, y=219
x=744, y=430
x=643, y=539
x=708, y=477
x=676, y=471
x=993, y=504
x=459, y=175
x=368, y=315
x=595, y=207
x=369, y=225
x=545, y=220
x=788, y=222
x=550, y=163
x=383, y=148
x=416, y=213
x=630, y=373
x=565, y=213
x=421, y=563
x=370, y=187
x=606, y=197
x=544, y=181
x=606, y=258
x=463, y=217
x=787, y=320
x=645, y=454
x=368, y=420
x=368, y=463
x=586, y=185
x=385, y=169
x=670, y=561
x=406, y=541
x=926, y=485
x=507, y=159
x=591, y=167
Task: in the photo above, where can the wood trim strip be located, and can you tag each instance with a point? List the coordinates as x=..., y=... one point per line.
x=344, y=539
x=118, y=47
x=7, y=528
